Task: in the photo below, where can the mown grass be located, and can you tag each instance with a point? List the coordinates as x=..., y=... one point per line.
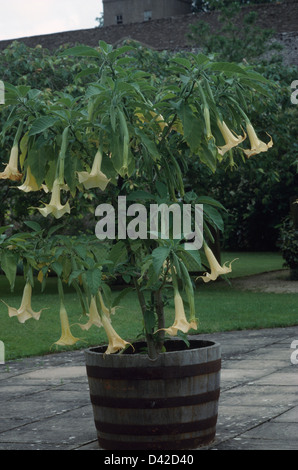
x=219, y=306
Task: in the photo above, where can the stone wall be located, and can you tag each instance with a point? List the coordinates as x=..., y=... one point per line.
x=171, y=33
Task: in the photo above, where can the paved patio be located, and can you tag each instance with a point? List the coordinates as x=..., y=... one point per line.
x=45, y=400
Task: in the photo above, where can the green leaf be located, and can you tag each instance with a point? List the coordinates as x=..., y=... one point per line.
x=159, y=255
x=226, y=67
x=210, y=201
x=192, y=126
x=81, y=51
x=34, y=225
x=93, y=278
x=37, y=163
x=57, y=268
x=41, y=124
x=9, y=263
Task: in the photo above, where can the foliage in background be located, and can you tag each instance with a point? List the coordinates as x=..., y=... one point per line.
x=288, y=244
x=257, y=194
x=210, y=5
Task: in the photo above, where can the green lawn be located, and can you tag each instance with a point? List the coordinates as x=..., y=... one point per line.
x=219, y=306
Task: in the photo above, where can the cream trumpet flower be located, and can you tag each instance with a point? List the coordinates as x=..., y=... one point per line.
x=24, y=312
x=231, y=139
x=105, y=310
x=94, y=317
x=55, y=207
x=66, y=339
x=11, y=171
x=180, y=323
x=29, y=183
x=95, y=179
x=257, y=146
x=115, y=342
x=216, y=268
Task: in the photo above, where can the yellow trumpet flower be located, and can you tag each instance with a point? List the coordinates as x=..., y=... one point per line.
x=105, y=310
x=231, y=139
x=115, y=342
x=95, y=179
x=11, y=171
x=30, y=183
x=67, y=339
x=94, y=317
x=24, y=312
x=257, y=146
x=55, y=207
x=216, y=268
x=180, y=323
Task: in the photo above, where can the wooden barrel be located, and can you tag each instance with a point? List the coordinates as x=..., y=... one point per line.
x=170, y=403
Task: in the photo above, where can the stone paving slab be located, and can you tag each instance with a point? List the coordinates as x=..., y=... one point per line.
x=45, y=401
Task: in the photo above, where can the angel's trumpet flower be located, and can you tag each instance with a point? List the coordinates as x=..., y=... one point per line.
x=11, y=171
x=94, y=317
x=66, y=339
x=115, y=342
x=30, y=183
x=105, y=310
x=25, y=311
x=216, y=268
x=231, y=139
x=95, y=179
x=180, y=323
x=55, y=207
x=257, y=146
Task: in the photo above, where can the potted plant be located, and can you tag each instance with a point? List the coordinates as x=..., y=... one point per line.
x=127, y=137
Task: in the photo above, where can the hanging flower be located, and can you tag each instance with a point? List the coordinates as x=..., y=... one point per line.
x=216, y=268
x=94, y=317
x=105, y=310
x=11, y=171
x=30, y=183
x=257, y=146
x=115, y=342
x=67, y=339
x=95, y=179
x=231, y=138
x=180, y=323
x=24, y=312
x=55, y=207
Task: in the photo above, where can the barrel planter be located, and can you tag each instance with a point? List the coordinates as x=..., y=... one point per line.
x=170, y=403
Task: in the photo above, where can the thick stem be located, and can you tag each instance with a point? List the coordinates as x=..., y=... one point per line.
x=152, y=353
x=160, y=320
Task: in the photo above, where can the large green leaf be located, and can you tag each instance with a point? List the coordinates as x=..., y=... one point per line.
x=192, y=125
x=159, y=255
x=41, y=124
x=37, y=161
x=82, y=51
x=93, y=278
x=9, y=263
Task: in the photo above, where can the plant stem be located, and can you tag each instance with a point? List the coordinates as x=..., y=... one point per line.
x=152, y=353
x=160, y=320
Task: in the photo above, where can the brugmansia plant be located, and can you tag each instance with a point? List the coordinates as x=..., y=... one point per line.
x=129, y=134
